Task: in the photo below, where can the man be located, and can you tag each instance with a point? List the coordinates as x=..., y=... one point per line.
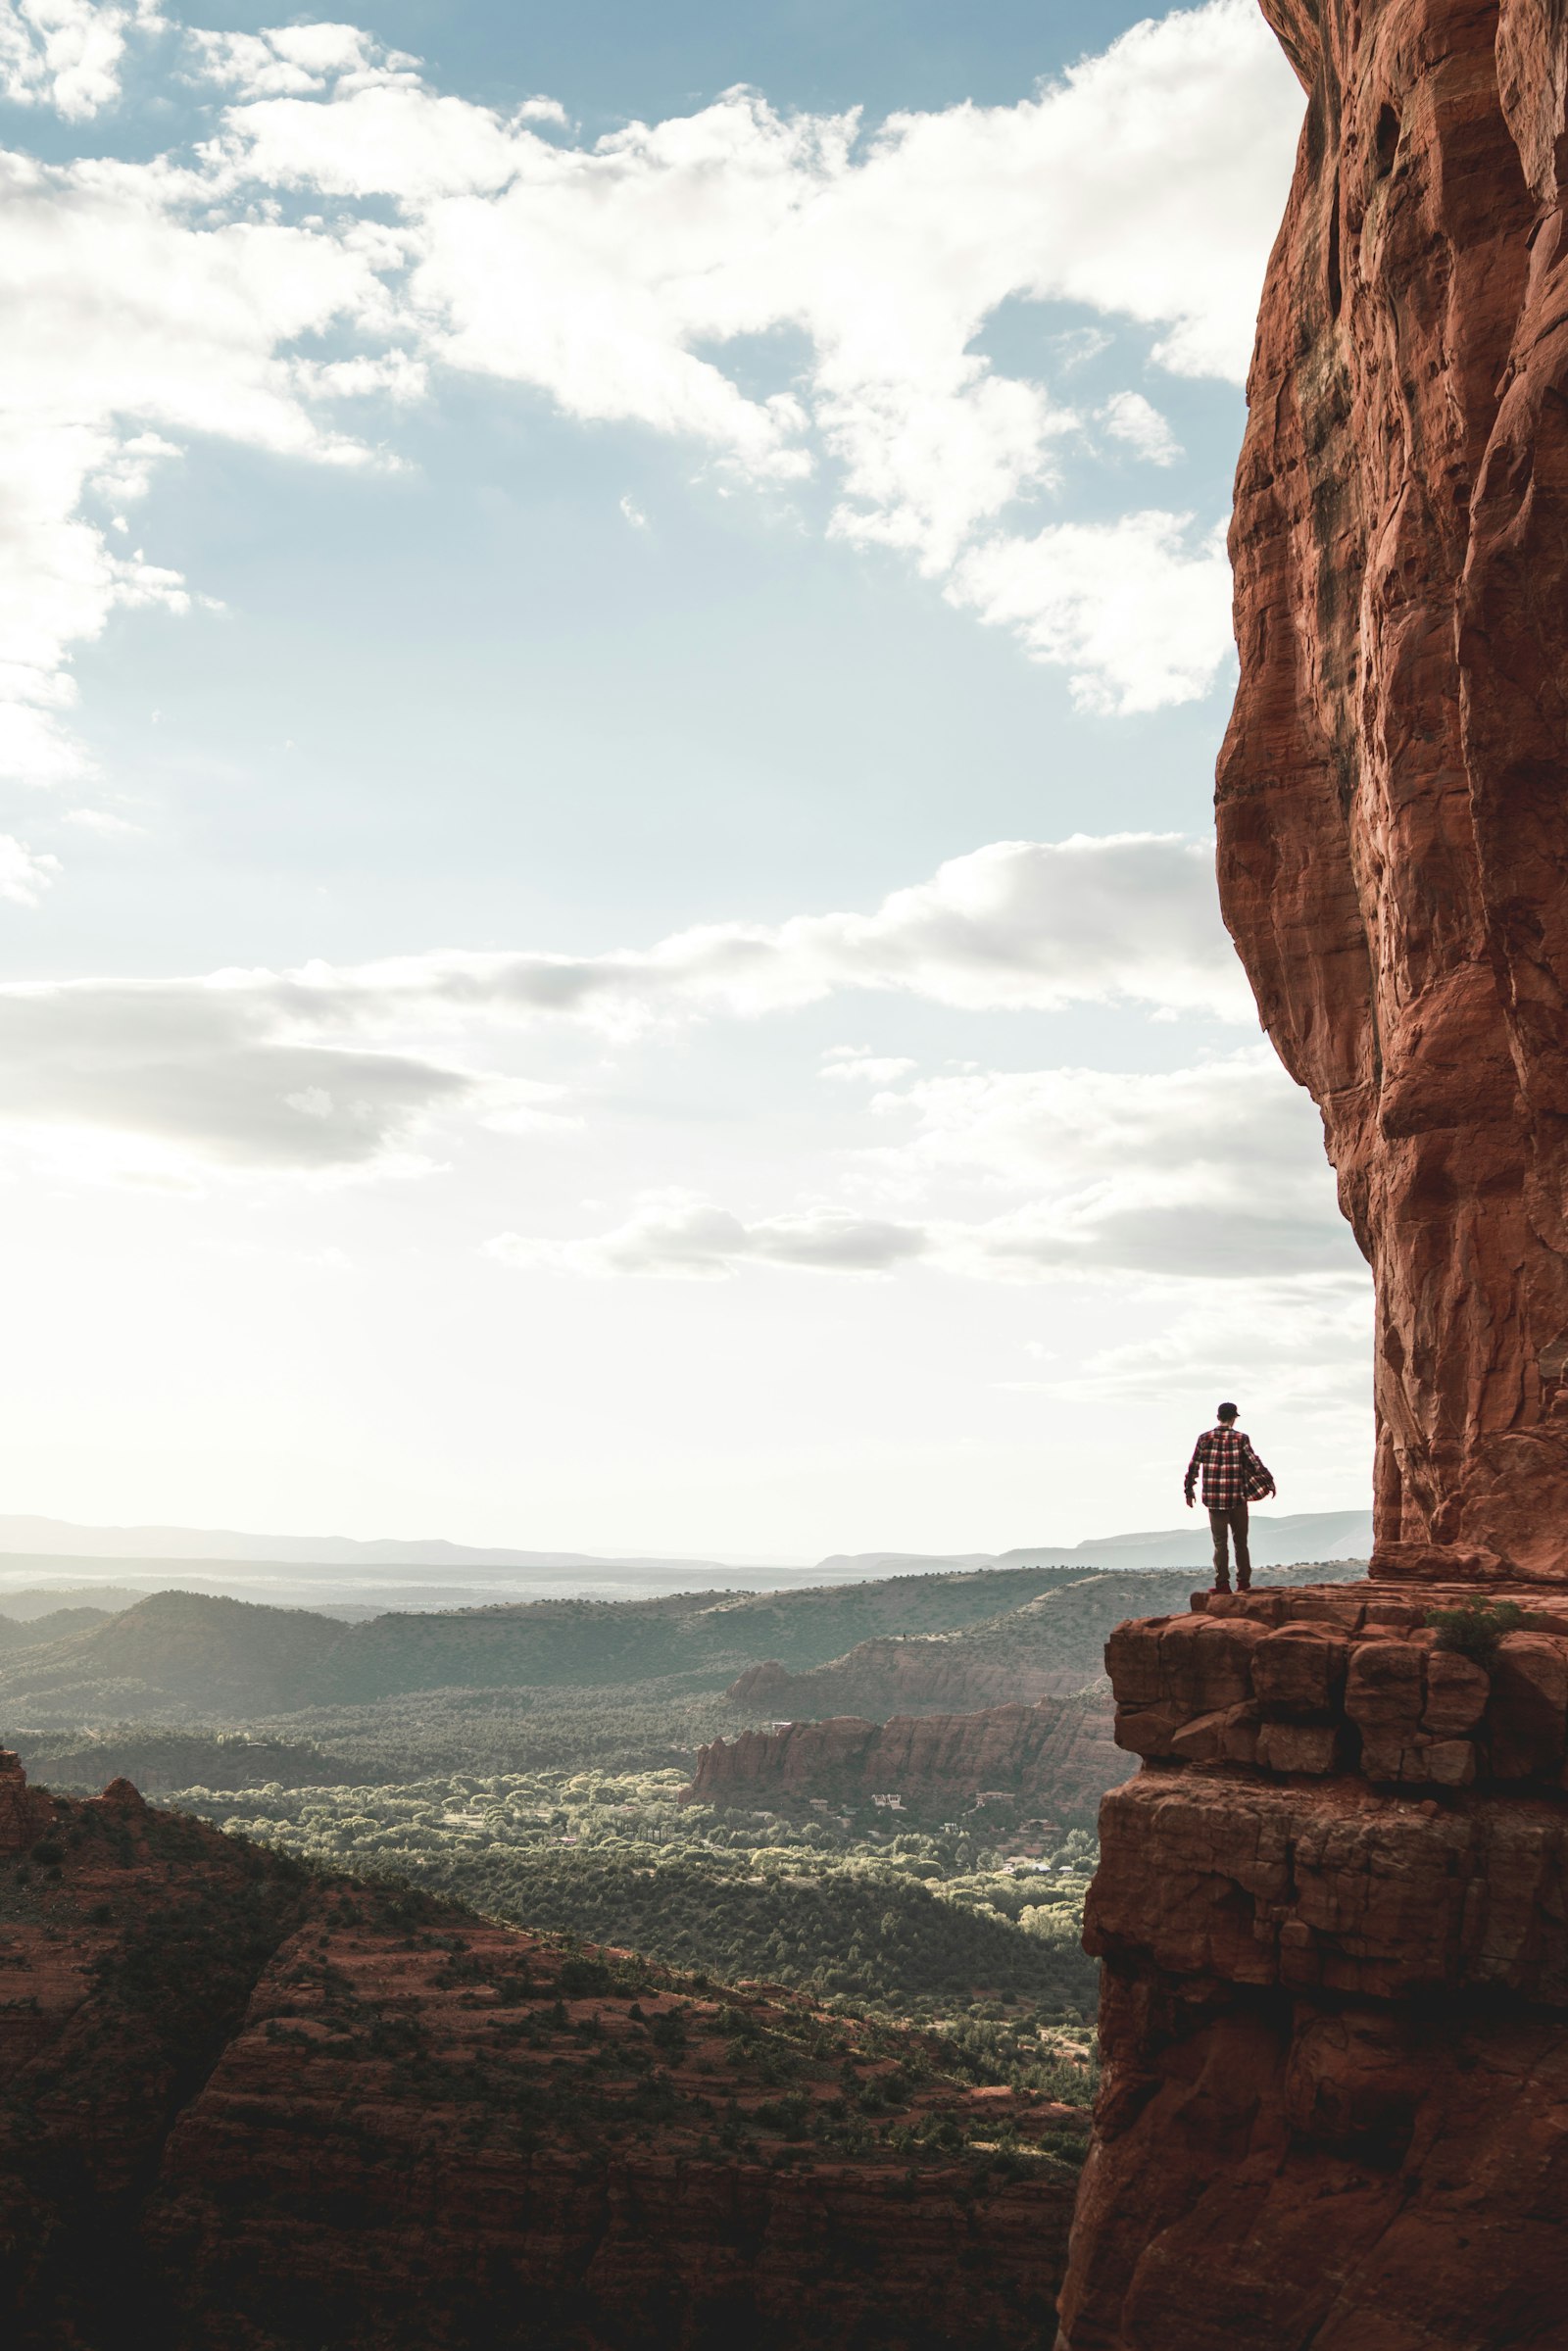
x=1233, y=1477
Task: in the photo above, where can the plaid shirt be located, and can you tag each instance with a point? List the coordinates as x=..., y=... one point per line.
x=1232, y=1471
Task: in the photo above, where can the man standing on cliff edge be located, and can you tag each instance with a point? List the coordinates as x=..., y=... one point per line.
x=1233, y=1477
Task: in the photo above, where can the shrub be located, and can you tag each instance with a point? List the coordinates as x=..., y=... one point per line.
x=1475, y=1627
x=581, y=1979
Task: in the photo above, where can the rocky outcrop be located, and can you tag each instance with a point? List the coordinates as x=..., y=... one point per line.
x=1058, y=1755
x=243, y=2104
x=24, y=1812
x=1335, y=2007
x=1391, y=792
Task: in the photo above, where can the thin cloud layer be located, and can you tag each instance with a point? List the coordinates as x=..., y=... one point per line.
x=1020, y=925
x=1213, y=1174
x=682, y=1237
x=333, y=1065
x=146, y=301
x=203, y=1073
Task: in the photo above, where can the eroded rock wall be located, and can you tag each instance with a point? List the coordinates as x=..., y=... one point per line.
x=1334, y=2017
x=1392, y=844
x=1058, y=1754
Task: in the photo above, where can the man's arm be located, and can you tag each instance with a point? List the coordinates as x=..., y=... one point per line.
x=1190, y=1479
x=1261, y=1468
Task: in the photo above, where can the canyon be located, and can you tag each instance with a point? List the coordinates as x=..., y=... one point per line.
x=242, y=2101
x=1330, y=1907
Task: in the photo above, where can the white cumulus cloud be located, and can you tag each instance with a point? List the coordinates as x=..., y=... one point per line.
x=144, y=302
x=66, y=54
x=1137, y=611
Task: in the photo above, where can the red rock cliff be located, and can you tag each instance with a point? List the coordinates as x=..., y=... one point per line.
x=1334, y=2009
x=1330, y=1907
x=1392, y=842
x=1059, y=1754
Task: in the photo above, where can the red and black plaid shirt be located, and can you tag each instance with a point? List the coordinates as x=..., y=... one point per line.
x=1232, y=1471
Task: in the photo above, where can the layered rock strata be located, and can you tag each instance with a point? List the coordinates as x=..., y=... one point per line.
x=1059, y=1754
x=244, y=2107
x=1390, y=802
x=1335, y=2007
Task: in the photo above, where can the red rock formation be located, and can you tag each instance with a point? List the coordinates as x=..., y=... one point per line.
x=24, y=1812
x=1334, y=2108
x=1059, y=1754
x=1391, y=792
x=242, y=2105
x=1334, y=2006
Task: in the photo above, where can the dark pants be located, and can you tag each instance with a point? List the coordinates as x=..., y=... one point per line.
x=1231, y=1522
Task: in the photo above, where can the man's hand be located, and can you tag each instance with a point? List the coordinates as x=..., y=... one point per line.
x=1189, y=1501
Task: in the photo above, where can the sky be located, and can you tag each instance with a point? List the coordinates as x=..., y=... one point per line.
x=615, y=626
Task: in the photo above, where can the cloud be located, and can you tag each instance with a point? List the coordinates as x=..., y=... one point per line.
x=199, y=1072
x=101, y=822
x=296, y=61
x=612, y=277
x=124, y=322
x=1137, y=611
x=334, y=1066
x=1231, y=1341
x=1213, y=1175
x=1128, y=417
x=66, y=54
x=679, y=1237
x=1020, y=925
x=146, y=301
x=543, y=110
x=24, y=875
x=850, y=1064
x=1215, y=1171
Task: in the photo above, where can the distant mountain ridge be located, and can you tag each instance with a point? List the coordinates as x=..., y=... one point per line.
x=59, y=1538
x=1277, y=1541
x=1294, y=1539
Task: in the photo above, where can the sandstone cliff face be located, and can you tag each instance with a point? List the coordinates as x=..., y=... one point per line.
x=1335, y=2008
x=244, y=2108
x=1391, y=792
x=1059, y=1754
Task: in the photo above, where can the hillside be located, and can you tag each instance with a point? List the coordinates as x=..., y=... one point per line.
x=545, y=1643
x=243, y=2102
x=58, y=1624
x=177, y=1649
x=1048, y=1645
x=233, y=1659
